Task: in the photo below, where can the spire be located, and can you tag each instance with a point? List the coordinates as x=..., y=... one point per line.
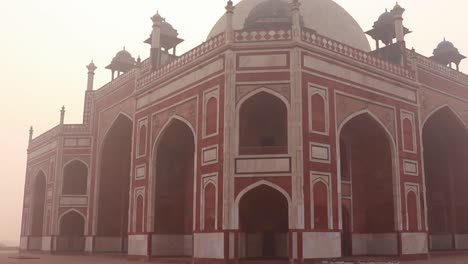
x=31, y=131
x=296, y=19
x=62, y=115
x=91, y=68
x=229, y=21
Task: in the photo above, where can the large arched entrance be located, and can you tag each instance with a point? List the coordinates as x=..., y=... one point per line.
x=367, y=180
x=173, y=201
x=114, y=187
x=263, y=224
x=38, y=208
x=71, y=238
x=445, y=141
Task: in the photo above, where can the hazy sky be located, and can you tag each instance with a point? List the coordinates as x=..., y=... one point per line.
x=45, y=45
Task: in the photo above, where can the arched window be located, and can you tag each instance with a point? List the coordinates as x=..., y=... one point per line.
x=318, y=113
x=408, y=134
x=211, y=117
x=412, y=203
x=75, y=178
x=142, y=141
x=263, y=125
x=139, y=214
x=320, y=206
x=210, y=207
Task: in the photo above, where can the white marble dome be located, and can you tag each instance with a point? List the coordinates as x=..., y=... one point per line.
x=324, y=16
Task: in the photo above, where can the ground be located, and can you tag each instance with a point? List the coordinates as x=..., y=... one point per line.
x=12, y=258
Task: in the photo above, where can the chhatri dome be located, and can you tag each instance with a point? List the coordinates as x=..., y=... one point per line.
x=324, y=16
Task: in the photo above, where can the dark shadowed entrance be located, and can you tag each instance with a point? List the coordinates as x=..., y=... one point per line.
x=71, y=238
x=445, y=141
x=263, y=223
x=114, y=187
x=366, y=170
x=173, y=222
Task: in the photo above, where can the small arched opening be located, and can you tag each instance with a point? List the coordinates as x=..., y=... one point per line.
x=75, y=178
x=71, y=237
x=263, y=224
x=263, y=125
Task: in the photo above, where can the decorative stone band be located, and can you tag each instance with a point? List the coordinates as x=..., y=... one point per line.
x=438, y=68
x=44, y=138
x=311, y=37
x=75, y=128
x=262, y=35
x=359, y=262
x=184, y=59
x=117, y=82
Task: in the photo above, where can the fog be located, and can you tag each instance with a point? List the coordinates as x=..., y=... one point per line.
x=45, y=45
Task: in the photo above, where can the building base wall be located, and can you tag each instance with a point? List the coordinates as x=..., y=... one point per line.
x=34, y=243
x=321, y=245
x=208, y=246
x=89, y=244
x=107, y=244
x=138, y=245
x=171, y=245
x=414, y=243
x=251, y=245
x=23, y=243
x=375, y=244
x=441, y=242
x=461, y=241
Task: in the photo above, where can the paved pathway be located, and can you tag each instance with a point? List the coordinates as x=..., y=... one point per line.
x=5, y=258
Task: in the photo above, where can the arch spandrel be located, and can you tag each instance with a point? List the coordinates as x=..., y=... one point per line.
x=432, y=102
x=244, y=90
x=347, y=106
x=187, y=111
x=108, y=117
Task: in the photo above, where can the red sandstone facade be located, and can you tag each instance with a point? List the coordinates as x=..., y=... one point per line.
x=276, y=143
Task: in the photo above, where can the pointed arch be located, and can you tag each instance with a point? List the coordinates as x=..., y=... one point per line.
x=71, y=210
x=440, y=108
x=152, y=173
x=173, y=184
x=252, y=187
x=72, y=228
x=75, y=182
x=395, y=164
x=112, y=187
x=163, y=129
x=255, y=135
